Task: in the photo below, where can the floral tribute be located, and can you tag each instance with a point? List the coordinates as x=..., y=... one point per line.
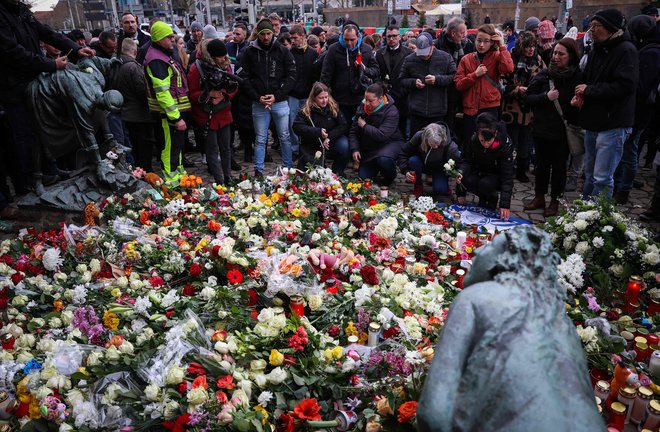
x=298, y=304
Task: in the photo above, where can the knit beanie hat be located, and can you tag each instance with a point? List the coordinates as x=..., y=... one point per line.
x=196, y=26
x=159, y=31
x=546, y=30
x=209, y=32
x=531, y=23
x=641, y=26
x=316, y=31
x=265, y=25
x=611, y=19
x=217, y=48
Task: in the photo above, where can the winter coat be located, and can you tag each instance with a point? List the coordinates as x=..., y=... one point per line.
x=342, y=75
x=547, y=122
x=478, y=92
x=242, y=104
x=217, y=116
x=496, y=160
x=22, y=59
x=142, y=39
x=130, y=82
x=234, y=48
x=380, y=136
x=456, y=51
x=649, y=80
x=309, y=132
x=430, y=101
x=432, y=157
x=524, y=70
x=305, y=71
x=96, y=46
x=611, y=76
x=269, y=70
x=389, y=63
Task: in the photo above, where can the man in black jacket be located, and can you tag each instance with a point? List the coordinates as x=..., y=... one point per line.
x=270, y=75
x=427, y=74
x=454, y=41
x=607, y=100
x=487, y=166
x=106, y=46
x=390, y=60
x=130, y=30
x=21, y=62
x=239, y=42
x=348, y=69
x=304, y=58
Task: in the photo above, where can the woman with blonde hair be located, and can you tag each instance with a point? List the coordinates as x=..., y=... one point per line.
x=321, y=127
x=478, y=78
x=181, y=50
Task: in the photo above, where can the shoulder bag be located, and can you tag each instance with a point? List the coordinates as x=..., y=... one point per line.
x=574, y=134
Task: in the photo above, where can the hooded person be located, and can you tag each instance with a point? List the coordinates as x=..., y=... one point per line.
x=349, y=68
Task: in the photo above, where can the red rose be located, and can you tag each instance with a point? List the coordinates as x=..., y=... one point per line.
x=407, y=411
x=226, y=382
x=183, y=387
x=254, y=314
x=188, y=290
x=308, y=409
x=221, y=397
x=196, y=369
x=333, y=331
x=178, y=424
x=200, y=381
x=195, y=270
x=156, y=281
x=234, y=277
x=252, y=297
x=16, y=278
x=368, y=274
x=391, y=332
x=169, y=313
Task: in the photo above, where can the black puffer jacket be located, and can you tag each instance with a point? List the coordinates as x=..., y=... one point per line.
x=432, y=157
x=380, y=136
x=496, y=160
x=270, y=70
x=430, y=101
x=21, y=60
x=310, y=134
x=547, y=123
x=306, y=72
x=390, y=62
x=340, y=73
x=611, y=76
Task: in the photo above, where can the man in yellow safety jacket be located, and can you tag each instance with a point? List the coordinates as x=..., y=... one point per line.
x=168, y=97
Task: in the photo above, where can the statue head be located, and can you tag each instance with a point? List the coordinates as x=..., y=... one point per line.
x=525, y=251
x=111, y=101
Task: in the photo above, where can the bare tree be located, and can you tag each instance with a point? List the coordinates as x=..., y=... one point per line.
x=183, y=5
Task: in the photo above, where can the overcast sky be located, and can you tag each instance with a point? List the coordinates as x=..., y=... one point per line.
x=43, y=5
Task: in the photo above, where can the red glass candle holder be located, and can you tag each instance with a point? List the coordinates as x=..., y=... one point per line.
x=297, y=304
x=633, y=289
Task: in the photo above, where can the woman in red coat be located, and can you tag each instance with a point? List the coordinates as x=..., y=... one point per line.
x=210, y=97
x=478, y=78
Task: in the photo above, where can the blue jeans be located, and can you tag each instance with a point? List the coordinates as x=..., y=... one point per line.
x=294, y=107
x=261, y=117
x=440, y=180
x=602, y=153
x=338, y=152
x=625, y=172
x=384, y=165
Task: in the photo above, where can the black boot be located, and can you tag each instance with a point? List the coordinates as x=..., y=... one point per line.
x=521, y=170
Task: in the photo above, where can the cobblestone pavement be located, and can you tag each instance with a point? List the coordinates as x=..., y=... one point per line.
x=523, y=192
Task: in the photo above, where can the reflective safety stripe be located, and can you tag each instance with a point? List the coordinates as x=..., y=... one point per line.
x=161, y=88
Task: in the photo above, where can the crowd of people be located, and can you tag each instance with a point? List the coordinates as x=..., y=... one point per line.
x=499, y=103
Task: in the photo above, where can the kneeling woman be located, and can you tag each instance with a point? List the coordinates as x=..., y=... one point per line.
x=321, y=127
x=487, y=166
x=375, y=139
x=427, y=153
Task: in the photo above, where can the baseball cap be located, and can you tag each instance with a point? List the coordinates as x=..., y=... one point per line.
x=423, y=44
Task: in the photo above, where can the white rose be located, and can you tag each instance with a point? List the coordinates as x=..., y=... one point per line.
x=66, y=317
x=42, y=392
x=24, y=357
x=260, y=380
x=112, y=353
x=314, y=301
x=126, y=347
x=122, y=282
x=94, y=358
x=258, y=365
x=151, y=392
x=198, y=396
x=174, y=375
x=26, y=341
x=277, y=376
x=222, y=347
x=95, y=266
x=55, y=322
x=266, y=314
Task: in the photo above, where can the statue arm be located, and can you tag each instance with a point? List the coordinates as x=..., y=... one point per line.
x=436, y=411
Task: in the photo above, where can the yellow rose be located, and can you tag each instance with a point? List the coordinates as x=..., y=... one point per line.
x=268, y=203
x=337, y=352
x=115, y=292
x=327, y=354
x=263, y=412
x=276, y=358
x=263, y=197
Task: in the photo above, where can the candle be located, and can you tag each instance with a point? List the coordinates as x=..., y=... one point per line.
x=331, y=286
x=461, y=236
x=384, y=192
x=7, y=341
x=633, y=289
x=618, y=416
x=374, y=330
x=460, y=274
x=654, y=364
x=297, y=304
x=654, y=307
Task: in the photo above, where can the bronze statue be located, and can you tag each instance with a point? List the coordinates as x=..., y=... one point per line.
x=509, y=359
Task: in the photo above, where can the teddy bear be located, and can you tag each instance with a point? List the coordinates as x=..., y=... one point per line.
x=623, y=376
x=157, y=183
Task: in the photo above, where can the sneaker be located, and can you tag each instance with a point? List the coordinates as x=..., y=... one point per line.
x=258, y=175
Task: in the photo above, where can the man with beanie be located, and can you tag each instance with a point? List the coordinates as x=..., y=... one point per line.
x=305, y=71
x=319, y=33
x=390, y=59
x=22, y=62
x=532, y=25
x=348, y=69
x=646, y=36
x=167, y=96
x=607, y=100
x=270, y=75
x=427, y=75
x=196, y=35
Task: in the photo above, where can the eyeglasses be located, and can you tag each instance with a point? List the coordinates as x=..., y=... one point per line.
x=393, y=36
x=483, y=41
x=595, y=25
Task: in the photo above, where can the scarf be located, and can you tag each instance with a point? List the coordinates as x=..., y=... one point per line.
x=368, y=111
x=525, y=69
x=559, y=74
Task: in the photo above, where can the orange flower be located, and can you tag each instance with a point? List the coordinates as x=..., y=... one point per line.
x=308, y=409
x=144, y=218
x=200, y=381
x=214, y=226
x=226, y=382
x=116, y=341
x=59, y=305
x=407, y=411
